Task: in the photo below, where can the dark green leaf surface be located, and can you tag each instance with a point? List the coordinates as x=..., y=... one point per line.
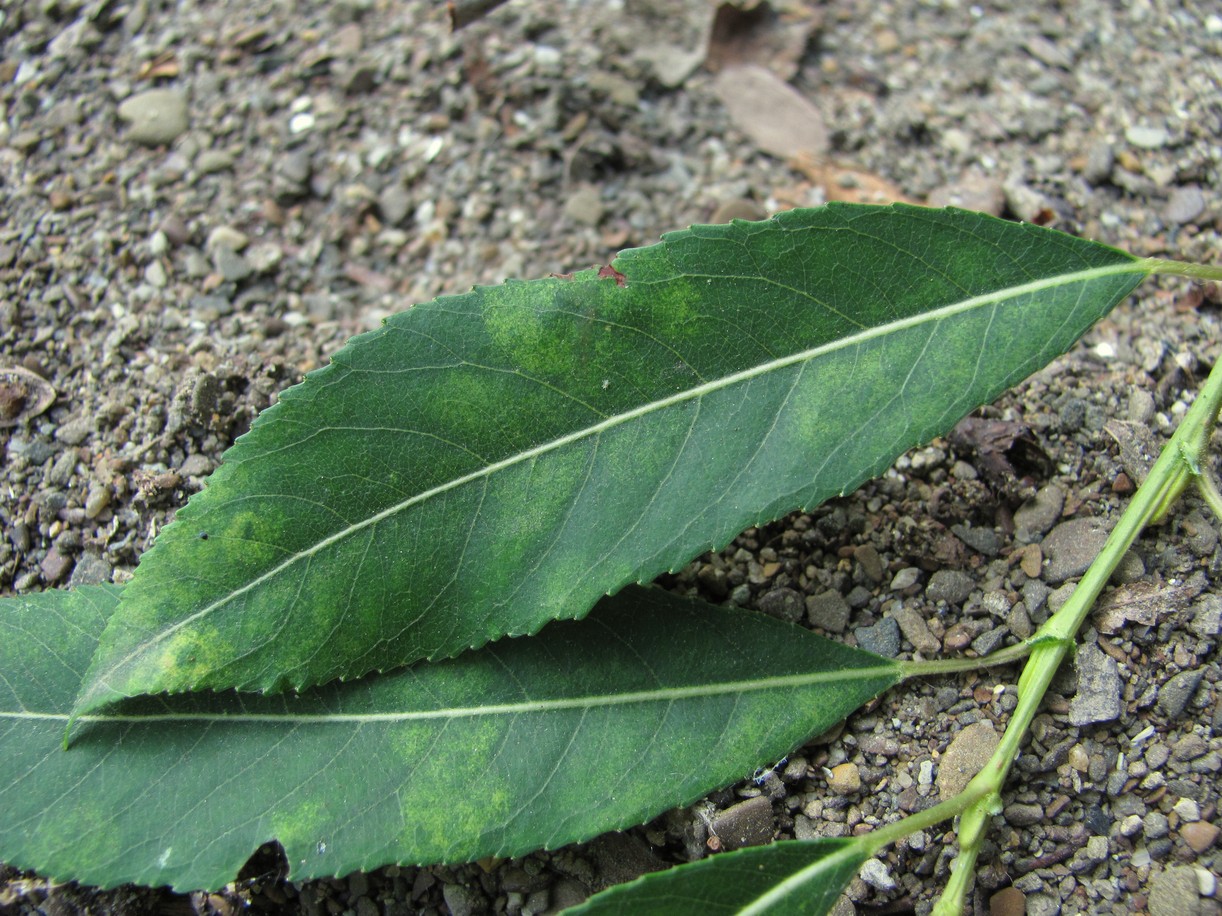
x=801, y=878
x=488, y=462
x=591, y=726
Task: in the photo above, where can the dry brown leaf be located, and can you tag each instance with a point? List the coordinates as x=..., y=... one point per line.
x=848, y=183
x=770, y=112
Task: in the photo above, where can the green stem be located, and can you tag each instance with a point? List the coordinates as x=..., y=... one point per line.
x=1181, y=460
x=927, y=667
x=1168, y=268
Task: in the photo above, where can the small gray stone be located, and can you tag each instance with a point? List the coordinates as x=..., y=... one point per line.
x=211, y=161
x=973, y=191
x=870, y=561
x=1043, y=905
x=989, y=640
x=156, y=117
x=1100, y=159
x=1176, y=892
x=296, y=167
x=916, y=630
x=1023, y=815
x=74, y=432
x=969, y=751
x=784, y=603
x=231, y=265
x=1098, y=696
x=55, y=566
x=90, y=569
x=828, y=611
x=1089, y=856
x=748, y=823
x=1038, y=514
x=949, y=585
x=463, y=900
x=1207, y=616
x=883, y=638
x=981, y=540
x=876, y=874
x=226, y=237
x=1141, y=406
x=1145, y=137
x=1173, y=696
x=585, y=206
x=568, y=892
x=1185, y=205
x=1072, y=546
x=395, y=204
x=905, y=578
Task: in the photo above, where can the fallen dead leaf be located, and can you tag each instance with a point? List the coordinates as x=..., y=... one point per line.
x=23, y=395
x=845, y=182
x=771, y=113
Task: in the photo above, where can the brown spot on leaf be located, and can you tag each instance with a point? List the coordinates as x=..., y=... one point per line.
x=607, y=272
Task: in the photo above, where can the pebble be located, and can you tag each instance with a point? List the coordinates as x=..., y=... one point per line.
x=1100, y=160
x=915, y=629
x=1072, y=546
x=783, y=603
x=828, y=611
x=1184, y=205
x=1039, y=514
x=1207, y=616
x=1032, y=562
x=883, y=638
x=1098, y=697
x=90, y=569
x=1019, y=814
x=1174, y=695
x=1008, y=901
x=951, y=586
x=1176, y=892
x=971, y=192
x=464, y=900
x=55, y=566
x=1145, y=137
x=876, y=874
x=982, y=540
x=1199, y=836
x=967, y=754
x=989, y=641
x=585, y=206
x=905, y=578
x=871, y=563
x=748, y=823
x=226, y=237
x=231, y=265
x=845, y=779
x=395, y=204
x=211, y=161
x=156, y=117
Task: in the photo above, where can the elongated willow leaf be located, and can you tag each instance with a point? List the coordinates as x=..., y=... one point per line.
x=800, y=878
x=591, y=726
x=489, y=462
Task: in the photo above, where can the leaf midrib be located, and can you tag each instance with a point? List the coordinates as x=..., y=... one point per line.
x=694, y=393
x=658, y=695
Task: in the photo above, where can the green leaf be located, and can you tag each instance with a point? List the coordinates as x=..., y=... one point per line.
x=488, y=462
x=802, y=878
x=651, y=702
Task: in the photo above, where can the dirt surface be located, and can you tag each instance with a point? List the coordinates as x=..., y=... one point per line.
x=170, y=261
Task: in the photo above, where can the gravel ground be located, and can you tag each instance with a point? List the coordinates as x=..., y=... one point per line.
x=202, y=200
